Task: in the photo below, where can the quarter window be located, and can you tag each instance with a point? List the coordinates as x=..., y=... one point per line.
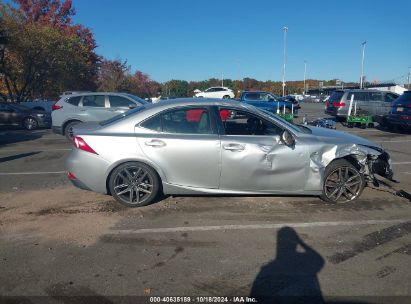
x=96, y=101
x=243, y=123
x=390, y=97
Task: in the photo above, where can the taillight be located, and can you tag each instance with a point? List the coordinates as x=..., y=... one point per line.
x=79, y=143
x=71, y=176
x=338, y=104
x=55, y=106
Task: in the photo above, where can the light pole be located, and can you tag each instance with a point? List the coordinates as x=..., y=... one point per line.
x=305, y=72
x=362, y=64
x=409, y=76
x=285, y=29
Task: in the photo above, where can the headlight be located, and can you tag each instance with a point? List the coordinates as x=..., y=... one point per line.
x=40, y=115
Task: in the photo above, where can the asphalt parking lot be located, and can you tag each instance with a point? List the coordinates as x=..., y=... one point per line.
x=57, y=240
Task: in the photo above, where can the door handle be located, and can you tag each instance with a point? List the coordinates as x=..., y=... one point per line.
x=234, y=147
x=155, y=143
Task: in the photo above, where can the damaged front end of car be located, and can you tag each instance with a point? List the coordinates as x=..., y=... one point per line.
x=369, y=160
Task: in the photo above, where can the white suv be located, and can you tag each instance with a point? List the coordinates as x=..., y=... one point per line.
x=216, y=92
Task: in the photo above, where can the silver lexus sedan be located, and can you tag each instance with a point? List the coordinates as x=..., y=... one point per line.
x=192, y=146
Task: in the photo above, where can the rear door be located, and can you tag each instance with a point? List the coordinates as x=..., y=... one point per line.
x=375, y=103
x=95, y=108
x=184, y=143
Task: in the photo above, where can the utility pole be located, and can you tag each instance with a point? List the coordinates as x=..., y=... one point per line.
x=285, y=29
x=362, y=64
x=222, y=79
x=305, y=72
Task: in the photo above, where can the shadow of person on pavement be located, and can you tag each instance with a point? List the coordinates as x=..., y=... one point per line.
x=292, y=276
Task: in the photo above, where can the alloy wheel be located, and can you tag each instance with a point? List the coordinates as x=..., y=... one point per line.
x=133, y=185
x=30, y=123
x=343, y=184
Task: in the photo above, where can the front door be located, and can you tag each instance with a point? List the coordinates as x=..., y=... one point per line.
x=254, y=159
x=184, y=143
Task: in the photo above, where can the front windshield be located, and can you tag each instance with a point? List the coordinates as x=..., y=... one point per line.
x=278, y=117
x=138, y=99
x=121, y=116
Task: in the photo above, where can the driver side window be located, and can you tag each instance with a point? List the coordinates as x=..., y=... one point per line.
x=243, y=123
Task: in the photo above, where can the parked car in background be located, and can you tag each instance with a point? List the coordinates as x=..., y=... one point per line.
x=188, y=146
x=216, y=92
x=14, y=114
x=369, y=102
x=400, y=114
x=269, y=102
x=73, y=109
x=40, y=105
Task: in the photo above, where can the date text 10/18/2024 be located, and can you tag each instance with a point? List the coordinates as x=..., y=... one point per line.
x=204, y=299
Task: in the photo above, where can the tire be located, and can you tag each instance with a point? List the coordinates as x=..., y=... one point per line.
x=342, y=182
x=30, y=123
x=68, y=129
x=226, y=97
x=132, y=176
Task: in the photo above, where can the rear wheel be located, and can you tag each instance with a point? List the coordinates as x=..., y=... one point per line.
x=68, y=130
x=30, y=123
x=134, y=184
x=342, y=182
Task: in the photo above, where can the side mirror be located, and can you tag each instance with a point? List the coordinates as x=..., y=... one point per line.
x=287, y=138
x=132, y=106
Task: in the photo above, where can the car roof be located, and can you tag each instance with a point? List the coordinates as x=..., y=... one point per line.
x=361, y=90
x=190, y=101
x=97, y=93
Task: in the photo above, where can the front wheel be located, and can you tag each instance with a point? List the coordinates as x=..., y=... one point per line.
x=342, y=182
x=226, y=97
x=30, y=123
x=134, y=184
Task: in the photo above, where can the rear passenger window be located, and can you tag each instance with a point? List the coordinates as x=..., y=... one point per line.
x=181, y=121
x=119, y=102
x=96, y=101
x=358, y=96
x=187, y=121
x=375, y=96
x=153, y=123
x=74, y=100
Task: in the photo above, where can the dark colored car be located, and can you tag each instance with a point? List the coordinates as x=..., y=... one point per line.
x=18, y=115
x=269, y=102
x=400, y=114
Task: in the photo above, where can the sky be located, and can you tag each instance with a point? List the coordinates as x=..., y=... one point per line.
x=197, y=40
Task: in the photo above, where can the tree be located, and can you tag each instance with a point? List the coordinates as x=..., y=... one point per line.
x=41, y=60
x=141, y=85
x=113, y=76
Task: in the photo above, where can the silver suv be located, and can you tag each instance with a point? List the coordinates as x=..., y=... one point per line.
x=73, y=109
x=370, y=102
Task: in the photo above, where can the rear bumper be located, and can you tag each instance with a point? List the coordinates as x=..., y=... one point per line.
x=89, y=169
x=335, y=112
x=396, y=120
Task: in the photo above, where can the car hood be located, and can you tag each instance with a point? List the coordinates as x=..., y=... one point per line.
x=342, y=137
